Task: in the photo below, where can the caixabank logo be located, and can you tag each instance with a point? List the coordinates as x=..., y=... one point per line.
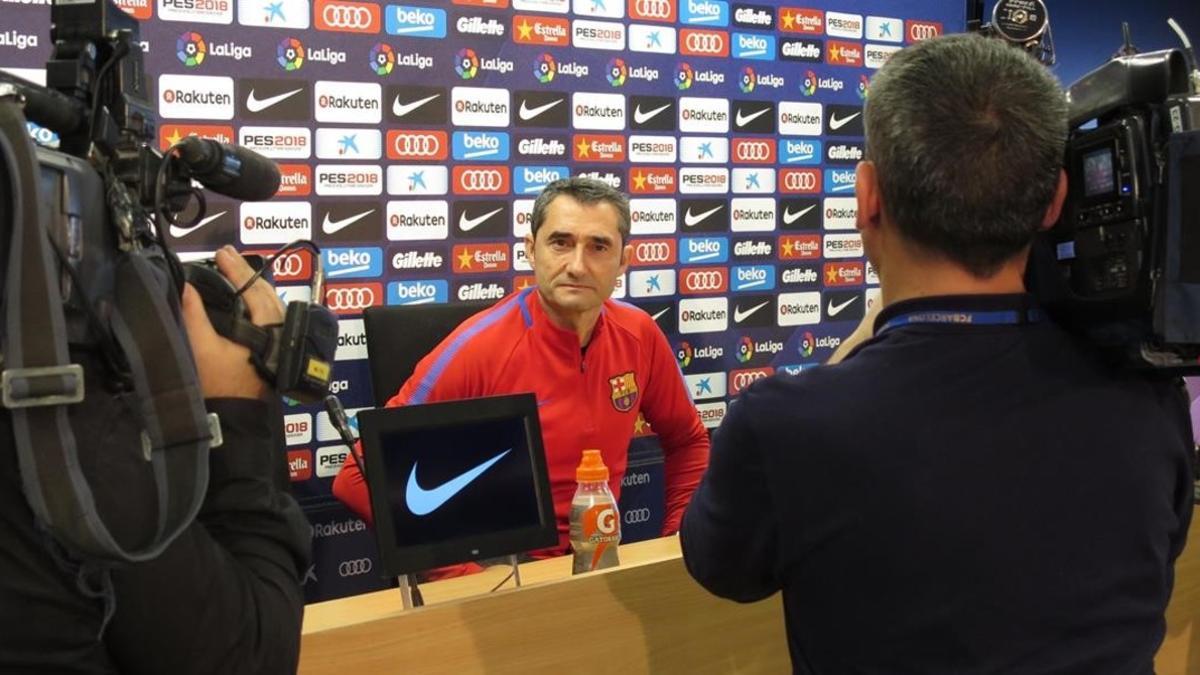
x=274, y=14
x=414, y=180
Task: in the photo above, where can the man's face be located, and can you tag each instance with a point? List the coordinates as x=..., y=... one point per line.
x=577, y=256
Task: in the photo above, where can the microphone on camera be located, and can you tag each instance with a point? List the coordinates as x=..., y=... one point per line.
x=229, y=170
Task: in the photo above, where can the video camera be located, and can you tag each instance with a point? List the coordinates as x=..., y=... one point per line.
x=1122, y=264
x=90, y=280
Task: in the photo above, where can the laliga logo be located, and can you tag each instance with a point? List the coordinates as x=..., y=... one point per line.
x=746, y=84
x=290, y=54
x=191, y=49
x=684, y=77
x=809, y=85
x=545, y=68
x=863, y=85
x=808, y=343
x=684, y=354
x=617, y=72
x=466, y=63
x=745, y=350
x=382, y=59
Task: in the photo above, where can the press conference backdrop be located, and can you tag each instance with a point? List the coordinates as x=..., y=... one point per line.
x=413, y=138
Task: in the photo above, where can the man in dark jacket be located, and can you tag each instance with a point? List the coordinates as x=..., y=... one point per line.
x=225, y=596
x=969, y=491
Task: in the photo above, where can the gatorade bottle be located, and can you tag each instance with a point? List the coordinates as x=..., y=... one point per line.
x=595, y=525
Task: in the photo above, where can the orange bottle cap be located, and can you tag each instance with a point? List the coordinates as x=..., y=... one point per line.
x=591, y=467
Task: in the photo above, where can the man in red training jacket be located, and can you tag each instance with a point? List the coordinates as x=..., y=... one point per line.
x=594, y=363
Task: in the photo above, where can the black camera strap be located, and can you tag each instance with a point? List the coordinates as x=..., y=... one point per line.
x=40, y=383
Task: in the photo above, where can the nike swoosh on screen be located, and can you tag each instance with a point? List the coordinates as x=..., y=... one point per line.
x=423, y=502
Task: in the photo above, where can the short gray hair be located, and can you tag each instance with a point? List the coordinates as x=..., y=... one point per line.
x=967, y=134
x=586, y=191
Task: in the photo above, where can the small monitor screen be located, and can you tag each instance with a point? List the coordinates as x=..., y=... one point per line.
x=457, y=481
x=1098, y=175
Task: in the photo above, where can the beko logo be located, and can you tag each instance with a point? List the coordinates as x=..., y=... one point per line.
x=195, y=97
x=839, y=180
x=843, y=246
x=417, y=179
x=416, y=22
x=752, y=278
x=598, y=111
x=708, y=12
x=277, y=142
x=534, y=179
x=480, y=145
x=477, y=25
x=349, y=179
x=703, y=115
x=704, y=315
x=353, y=263
x=479, y=107
x=754, y=46
x=652, y=216
x=802, y=152
x=419, y=292
x=275, y=222
x=347, y=17
x=349, y=144
x=199, y=11
x=416, y=220
x=597, y=34
x=798, y=309
x=353, y=102
x=704, y=249
x=800, y=119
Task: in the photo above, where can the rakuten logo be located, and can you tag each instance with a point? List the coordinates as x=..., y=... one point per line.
x=840, y=213
x=275, y=222
x=352, y=340
x=694, y=180
x=703, y=115
x=196, y=11
x=598, y=111
x=597, y=35
x=752, y=214
x=798, y=309
x=349, y=179
x=195, y=97
x=703, y=315
x=843, y=246
x=353, y=102
x=418, y=220
x=414, y=180
x=652, y=216
x=800, y=119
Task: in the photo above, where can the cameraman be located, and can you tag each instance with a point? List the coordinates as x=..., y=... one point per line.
x=225, y=596
x=971, y=490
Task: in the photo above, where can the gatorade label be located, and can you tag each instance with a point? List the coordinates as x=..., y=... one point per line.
x=600, y=527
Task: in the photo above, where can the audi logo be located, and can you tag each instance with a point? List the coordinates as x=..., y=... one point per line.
x=349, y=298
x=753, y=151
x=354, y=568
x=417, y=145
x=635, y=516
x=288, y=265
x=922, y=31
x=652, y=251
x=800, y=181
x=705, y=43
x=652, y=9
x=481, y=180
x=341, y=16
x=743, y=379
x=704, y=280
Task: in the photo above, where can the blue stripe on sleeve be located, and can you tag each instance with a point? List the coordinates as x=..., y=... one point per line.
x=443, y=360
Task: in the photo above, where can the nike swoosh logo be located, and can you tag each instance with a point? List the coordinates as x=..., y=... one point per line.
x=692, y=219
x=834, y=310
x=401, y=109
x=423, y=502
x=835, y=123
x=178, y=232
x=526, y=113
x=789, y=217
x=467, y=224
x=747, y=119
x=642, y=117
x=740, y=316
x=335, y=226
x=258, y=105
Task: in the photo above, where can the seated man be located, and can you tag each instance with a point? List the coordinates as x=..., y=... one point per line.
x=971, y=490
x=593, y=363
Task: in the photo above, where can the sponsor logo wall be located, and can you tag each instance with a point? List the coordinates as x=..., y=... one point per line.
x=413, y=137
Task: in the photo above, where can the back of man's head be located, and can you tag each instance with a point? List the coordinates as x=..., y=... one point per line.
x=967, y=135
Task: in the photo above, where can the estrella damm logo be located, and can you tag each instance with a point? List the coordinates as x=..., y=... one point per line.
x=624, y=391
x=545, y=68
x=191, y=49
x=466, y=63
x=382, y=58
x=746, y=83
x=684, y=76
x=617, y=72
x=290, y=54
x=683, y=355
x=745, y=350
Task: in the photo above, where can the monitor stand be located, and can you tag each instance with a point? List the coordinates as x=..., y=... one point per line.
x=410, y=593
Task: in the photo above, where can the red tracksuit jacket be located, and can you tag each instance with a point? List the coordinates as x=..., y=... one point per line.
x=586, y=399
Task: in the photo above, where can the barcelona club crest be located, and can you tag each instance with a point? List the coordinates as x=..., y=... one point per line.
x=624, y=391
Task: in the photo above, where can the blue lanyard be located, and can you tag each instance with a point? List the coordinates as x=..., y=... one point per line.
x=1009, y=317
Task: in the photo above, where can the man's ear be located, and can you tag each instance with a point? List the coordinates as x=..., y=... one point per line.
x=866, y=193
x=529, y=249
x=626, y=256
x=1056, y=204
